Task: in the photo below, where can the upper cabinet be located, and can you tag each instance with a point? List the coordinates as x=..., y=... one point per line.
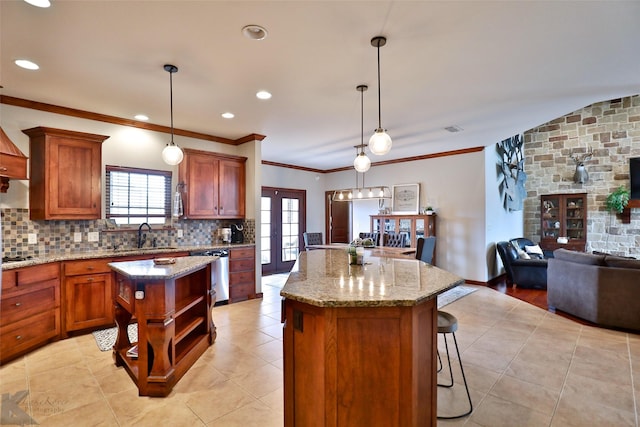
x=13, y=163
x=66, y=174
x=213, y=185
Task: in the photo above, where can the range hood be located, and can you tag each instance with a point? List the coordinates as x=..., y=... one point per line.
x=13, y=162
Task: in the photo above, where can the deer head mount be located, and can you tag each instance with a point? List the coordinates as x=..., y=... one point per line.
x=581, y=175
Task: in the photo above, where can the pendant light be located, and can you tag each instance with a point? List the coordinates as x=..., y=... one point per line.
x=380, y=141
x=362, y=163
x=172, y=154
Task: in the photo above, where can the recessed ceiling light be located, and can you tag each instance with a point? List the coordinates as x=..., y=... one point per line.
x=228, y=115
x=254, y=32
x=263, y=94
x=26, y=64
x=141, y=117
x=39, y=3
x=453, y=129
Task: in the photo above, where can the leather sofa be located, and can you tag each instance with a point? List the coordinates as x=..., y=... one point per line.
x=524, y=273
x=603, y=289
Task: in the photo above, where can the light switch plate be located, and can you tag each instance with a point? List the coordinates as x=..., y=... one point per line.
x=77, y=237
x=180, y=234
x=32, y=238
x=92, y=236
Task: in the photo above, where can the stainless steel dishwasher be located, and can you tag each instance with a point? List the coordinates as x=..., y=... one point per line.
x=220, y=276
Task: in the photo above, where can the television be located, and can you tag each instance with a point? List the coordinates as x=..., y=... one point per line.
x=634, y=174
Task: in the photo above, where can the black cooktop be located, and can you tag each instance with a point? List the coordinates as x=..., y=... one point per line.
x=14, y=258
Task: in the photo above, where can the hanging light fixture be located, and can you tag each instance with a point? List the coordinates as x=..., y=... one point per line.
x=380, y=142
x=172, y=154
x=362, y=163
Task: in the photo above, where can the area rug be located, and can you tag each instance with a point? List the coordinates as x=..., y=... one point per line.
x=106, y=338
x=454, y=294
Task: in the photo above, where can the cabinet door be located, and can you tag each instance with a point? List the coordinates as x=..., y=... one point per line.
x=551, y=217
x=74, y=180
x=202, y=186
x=231, y=189
x=575, y=218
x=88, y=301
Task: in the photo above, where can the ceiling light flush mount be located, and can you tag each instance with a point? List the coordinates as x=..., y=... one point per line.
x=263, y=94
x=172, y=154
x=380, y=142
x=39, y=3
x=362, y=163
x=254, y=32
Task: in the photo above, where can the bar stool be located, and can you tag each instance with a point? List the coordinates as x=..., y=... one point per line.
x=448, y=324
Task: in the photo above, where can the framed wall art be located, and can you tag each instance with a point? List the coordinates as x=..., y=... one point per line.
x=406, y=199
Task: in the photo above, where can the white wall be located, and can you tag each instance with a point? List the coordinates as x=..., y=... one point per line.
x=455, y=187
x=500, y=223
x=126, y=146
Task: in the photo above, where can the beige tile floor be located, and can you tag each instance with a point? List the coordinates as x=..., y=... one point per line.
x=525, y=367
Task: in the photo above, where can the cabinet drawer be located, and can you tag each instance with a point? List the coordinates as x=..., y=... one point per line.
x=241, y=292
x=39, y=273
x=241, y=265
x=90, y=266
x=20, y=280
x=242, y=277
x=241, y=253
x=27, y=333
x=27, y=305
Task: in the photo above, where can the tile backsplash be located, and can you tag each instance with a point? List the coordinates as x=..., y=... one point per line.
x=56, y=237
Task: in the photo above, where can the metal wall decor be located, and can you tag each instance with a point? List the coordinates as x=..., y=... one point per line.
x=510, y=171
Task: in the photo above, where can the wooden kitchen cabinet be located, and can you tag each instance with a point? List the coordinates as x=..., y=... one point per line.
x=563, y=216
x=66, y=174
x=413, y=226
x=29, y=309
x=213, y=185
x=88, y=297
x=242, y=274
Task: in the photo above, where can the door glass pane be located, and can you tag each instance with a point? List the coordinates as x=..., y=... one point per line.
x=265, y=233
x=290, y=244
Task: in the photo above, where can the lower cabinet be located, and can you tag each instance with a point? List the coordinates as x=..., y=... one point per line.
x=29, y=309
x=242, y=274
x=88, y=294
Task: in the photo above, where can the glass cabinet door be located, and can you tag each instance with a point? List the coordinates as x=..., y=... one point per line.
x=574, y=220
x=404, y=227
x=551, y=218
x=389, y=225
x=377, y=224
x=419, y=228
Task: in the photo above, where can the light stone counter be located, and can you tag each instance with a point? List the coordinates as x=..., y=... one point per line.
x=148, y=270
x=324, y=278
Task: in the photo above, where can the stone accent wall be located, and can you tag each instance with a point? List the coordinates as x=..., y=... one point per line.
x=612, y=130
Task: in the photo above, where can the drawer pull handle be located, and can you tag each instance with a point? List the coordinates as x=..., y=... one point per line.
x=90, y=268
x=90, y=279
x=18, y=304
x=18, y=337
x=4, y=169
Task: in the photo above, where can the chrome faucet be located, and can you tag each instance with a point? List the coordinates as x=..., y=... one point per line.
x=142, y=238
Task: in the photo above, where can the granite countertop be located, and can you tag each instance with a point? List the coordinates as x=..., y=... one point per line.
x=324, y=278
x=147, y=269
x=106, y=253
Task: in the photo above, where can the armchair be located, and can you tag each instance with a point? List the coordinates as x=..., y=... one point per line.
x=525, y=273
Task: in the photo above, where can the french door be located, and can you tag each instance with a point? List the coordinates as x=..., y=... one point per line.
x=282, y=217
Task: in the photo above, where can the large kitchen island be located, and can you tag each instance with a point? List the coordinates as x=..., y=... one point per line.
x=171, y=300
x=360, y=340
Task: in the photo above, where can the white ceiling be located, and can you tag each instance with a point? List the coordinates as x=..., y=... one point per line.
x=493, y=68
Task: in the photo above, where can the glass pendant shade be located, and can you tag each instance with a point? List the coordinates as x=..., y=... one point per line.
x=380, y=142
x=362, y=163
x=172, y=154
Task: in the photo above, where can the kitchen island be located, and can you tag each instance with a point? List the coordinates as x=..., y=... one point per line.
x=171, y=299
x=360, y=340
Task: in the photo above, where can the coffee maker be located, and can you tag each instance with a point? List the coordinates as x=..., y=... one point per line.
x=236, y=233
